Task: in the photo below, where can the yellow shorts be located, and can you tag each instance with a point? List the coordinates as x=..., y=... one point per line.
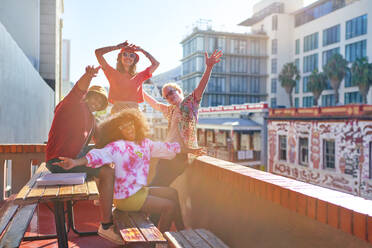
x=134, y=202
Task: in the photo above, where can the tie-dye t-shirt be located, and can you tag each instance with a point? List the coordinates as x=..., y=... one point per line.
x=131, y=162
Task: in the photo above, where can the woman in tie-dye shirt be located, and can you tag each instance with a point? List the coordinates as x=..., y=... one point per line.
x=122, y=141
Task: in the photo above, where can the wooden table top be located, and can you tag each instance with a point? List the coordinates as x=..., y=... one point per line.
x=30, y=193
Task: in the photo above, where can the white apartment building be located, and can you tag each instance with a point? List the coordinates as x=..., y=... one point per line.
x=308, y=36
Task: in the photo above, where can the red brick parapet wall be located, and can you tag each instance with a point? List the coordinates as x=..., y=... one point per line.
x=244, y=205
x=355, y=110
x=23, y=156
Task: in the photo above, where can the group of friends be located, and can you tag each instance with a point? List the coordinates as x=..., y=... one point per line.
x=120, y=157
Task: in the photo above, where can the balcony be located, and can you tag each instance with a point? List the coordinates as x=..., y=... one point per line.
x=243, y=206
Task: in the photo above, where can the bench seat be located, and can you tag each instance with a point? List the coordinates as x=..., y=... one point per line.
x=196, y=238
x=136, y=229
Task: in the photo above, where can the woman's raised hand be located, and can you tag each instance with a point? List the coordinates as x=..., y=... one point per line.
x=213, y=59
x=122, y=45
x=66, y=163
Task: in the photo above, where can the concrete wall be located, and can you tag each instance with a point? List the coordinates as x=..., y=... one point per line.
x=21, y=18
x=26, y=101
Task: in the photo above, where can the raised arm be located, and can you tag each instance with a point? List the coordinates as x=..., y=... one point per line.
x=101, y=51
x=154, y=63
x=209, y=62
x=84, y=81
x=153, y=103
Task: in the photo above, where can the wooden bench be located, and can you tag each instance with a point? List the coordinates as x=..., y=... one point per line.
x=19, y=211
x=198, y=238
x=137, y=230
x=15, y=218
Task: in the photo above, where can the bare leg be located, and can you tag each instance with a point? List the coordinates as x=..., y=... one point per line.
x=106, y=191
x=163, y=206
x=170, y=194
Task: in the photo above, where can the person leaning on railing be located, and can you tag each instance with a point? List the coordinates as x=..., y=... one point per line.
x=72, y=128
x=182, y=116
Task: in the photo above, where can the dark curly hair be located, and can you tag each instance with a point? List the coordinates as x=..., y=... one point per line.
x=108, y=130
x=120, y=67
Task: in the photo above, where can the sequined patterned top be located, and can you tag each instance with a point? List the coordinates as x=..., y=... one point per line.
x=131, y=162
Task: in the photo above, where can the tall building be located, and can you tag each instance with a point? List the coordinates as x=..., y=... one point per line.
x=308, y=36
x=239, y=78
x=66, y=84
x=30, y=37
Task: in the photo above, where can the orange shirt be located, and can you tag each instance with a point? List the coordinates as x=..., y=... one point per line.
x=123, y=88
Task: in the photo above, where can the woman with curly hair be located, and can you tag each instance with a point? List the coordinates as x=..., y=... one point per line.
x=122, y=141
x=125, y=83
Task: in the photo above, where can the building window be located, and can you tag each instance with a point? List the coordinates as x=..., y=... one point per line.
x=237, y=99
x=297, y=64
x=274, y=81
x=310, y=63
x=329, y=154
x=238, y=84
x=216, y=84
x=356, y=27
x=216, y=100
x=239, y=46
x=319, y=10
x=297, y=87
x=297, y=102
x=303, y=151
x=274, y=65
x=282, y=147
x=305, y=81
x=254, y=85
x=298, y=46
x=331, y=35
x=273, y=102
x=355, y=50
x=353, y=97
x=275, y=22
x=307, y=101
x=328, y=100
x=328, y=54
x=348, y=82
x=239, y=64
x=274, y=46
x=311, y=42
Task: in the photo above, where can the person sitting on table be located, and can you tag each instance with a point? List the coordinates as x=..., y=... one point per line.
x=182, y=116
x=125, y=82
x=123, y=141
x=72, y=128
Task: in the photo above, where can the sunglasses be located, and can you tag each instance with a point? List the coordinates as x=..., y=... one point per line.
x=170, y=92
x=130, y=55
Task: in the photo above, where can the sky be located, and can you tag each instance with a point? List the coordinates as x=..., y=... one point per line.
x=156, y=26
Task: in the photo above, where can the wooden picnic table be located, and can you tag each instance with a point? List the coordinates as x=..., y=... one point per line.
x=57, y=195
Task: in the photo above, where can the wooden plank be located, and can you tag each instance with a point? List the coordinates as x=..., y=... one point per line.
x=50, y=192
x=42, y=170
x=34, y=195
x=129, y=232
x=18, y=226
x=7, y=216
x=65, y=191
x=81, y=189
x=147, y=228
x=176, y=240
x=92, y=189
x=195, y=240
x=211, y=239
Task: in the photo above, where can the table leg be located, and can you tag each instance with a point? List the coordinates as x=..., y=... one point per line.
x=59, y=217
x=71, y=223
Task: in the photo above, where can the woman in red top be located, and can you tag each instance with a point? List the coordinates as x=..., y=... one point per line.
x=125, y=83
